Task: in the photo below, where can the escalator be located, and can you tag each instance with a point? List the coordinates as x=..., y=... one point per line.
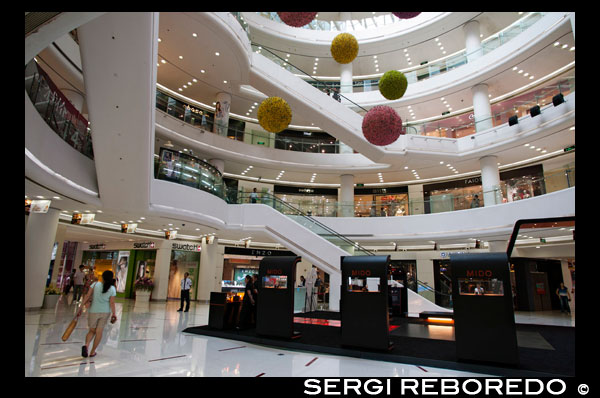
x=416, y=303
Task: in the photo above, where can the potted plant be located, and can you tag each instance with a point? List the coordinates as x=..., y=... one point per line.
x=51, y=296
x=143, y=289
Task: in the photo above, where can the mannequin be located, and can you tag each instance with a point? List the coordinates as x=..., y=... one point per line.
x=310, y=302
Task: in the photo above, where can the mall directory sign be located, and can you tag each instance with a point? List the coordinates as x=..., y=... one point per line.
x=364, y=302
x=484, y=319
x=275, y=311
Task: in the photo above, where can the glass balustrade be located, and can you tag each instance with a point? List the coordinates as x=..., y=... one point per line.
x=419, y=72
x=58, y=112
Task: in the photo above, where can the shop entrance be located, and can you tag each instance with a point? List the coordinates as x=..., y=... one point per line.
x=143, y=262
x=182, y=262
x=536, y=281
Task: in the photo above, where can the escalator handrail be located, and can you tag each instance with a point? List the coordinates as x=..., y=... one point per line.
x=312, y=220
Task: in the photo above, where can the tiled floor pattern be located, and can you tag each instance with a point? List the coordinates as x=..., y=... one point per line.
x=147, y=341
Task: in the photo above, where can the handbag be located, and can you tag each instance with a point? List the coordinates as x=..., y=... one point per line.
x=70, y=328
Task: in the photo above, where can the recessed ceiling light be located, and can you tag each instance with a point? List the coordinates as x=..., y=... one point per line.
x=195, y=35
x=225, y=81
x=217, y=54
x=181, y=57
x=572, y=49
x=556, y=44
x=159, y=40
x=184, y=86
x=515, y=68
x=520, y=71
x=180, y=89
x=526, y=74
x=565, y=46
x=189, y=83
x=163, y=61
x=201, y=70
x=530, y=77
x=56, y=197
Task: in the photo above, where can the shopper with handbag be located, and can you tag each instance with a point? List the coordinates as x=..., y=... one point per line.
x=102, y=298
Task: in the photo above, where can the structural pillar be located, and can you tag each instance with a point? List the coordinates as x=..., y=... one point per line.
x=472, y=40
x=60, y=239
x=345, y=69
x=161, y=271
x=490, y=180
x=482, y=110
x=222, y=113
x=39, y=242
x=346, y=199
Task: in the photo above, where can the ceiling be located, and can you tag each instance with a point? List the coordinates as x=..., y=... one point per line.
x=200, y=62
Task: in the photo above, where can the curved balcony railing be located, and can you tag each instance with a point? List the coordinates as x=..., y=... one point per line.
x=418, y=72
x=397, y=205
x=58, y=112
x=342, y=26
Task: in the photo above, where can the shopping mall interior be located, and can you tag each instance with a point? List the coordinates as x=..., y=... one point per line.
x=165, y=143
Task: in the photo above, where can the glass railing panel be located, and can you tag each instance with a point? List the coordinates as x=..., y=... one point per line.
x=58, y=112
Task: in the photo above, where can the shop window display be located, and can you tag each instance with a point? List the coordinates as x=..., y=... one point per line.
x=182, y=262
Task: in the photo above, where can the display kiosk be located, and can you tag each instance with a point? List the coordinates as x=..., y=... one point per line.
x=364, y=302
x=275, y=312
x=223, y=310
x=484, y=320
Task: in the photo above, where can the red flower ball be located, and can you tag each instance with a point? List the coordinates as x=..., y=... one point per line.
x=382, y=125
x=297, y=19
x=406, y=15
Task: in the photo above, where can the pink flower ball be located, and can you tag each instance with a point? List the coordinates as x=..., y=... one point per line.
x=406, y=15
x=382, y=125
x=297, y=19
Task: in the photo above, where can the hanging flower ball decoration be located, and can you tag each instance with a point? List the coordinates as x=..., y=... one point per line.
x=274, y=114
x=406, y=15
x=344, y=48
x=382, y=126
x=297, y=19
x=393, y=84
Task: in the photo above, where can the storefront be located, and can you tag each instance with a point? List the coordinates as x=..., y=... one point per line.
x=185, y=257
x=381, y=202
x=312, y=201
x=128, y=263
x=467, y=193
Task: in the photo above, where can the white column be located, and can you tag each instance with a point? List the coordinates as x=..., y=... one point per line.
x=482, y=110
x=345, y=69
x=39, y=241
x=335, y=284
x=222, y=117
x=60, y=239
x=472, y=40
x=218, y=163
x=346, y=198
x=416, y=199
x=161, y=271
x=210, y=260
x=346, y=78
x=490, y=180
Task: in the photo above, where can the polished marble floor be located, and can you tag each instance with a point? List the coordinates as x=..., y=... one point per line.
x=147, y=340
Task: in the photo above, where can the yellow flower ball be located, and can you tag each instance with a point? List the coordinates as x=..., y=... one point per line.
x=344, y=48
x=274, y=114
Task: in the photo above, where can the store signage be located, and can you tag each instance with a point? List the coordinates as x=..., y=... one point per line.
x=257, y=252
x=97, y=246
x=143, y=245
x=39, y=206
x=361, y=272
x=306, y=190
x=274, y=272
x=473, y=181
x=187, y=247
x=360, y=185
x=471, y=273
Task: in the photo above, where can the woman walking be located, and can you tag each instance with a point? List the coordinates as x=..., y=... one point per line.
x=102, y=298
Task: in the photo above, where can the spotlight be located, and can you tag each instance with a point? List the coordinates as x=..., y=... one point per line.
x=558, y=99
x=534, y=111
x=513, y=120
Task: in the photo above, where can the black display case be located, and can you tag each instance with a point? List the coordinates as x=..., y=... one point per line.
x=484, y=321
x=364, y=302
x=222, y=313
x=275, y=312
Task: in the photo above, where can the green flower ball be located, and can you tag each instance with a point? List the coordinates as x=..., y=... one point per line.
x=392, y=84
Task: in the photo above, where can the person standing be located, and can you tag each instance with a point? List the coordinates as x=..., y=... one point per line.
x=186, y=285
x=255, y=287
x=253, y=196
x=247, y=304
x=563, y=294
x=475, y=202
x=78, y=282
x=102, y=298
